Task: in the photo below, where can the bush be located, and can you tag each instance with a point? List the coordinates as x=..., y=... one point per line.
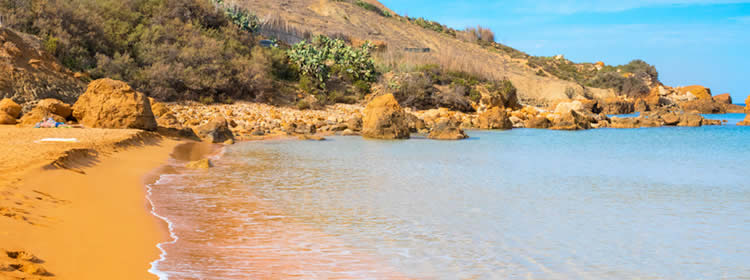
x=168, y=49
x=316, y=59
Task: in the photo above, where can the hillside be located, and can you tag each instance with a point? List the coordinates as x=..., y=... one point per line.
x=29, y=73
x=342, y=17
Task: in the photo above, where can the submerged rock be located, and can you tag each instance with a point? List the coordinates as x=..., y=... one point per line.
x=385, y=119
x=200, y=164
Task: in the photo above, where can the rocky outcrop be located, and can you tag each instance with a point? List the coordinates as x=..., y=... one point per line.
x=640, y=105
x=494, y=118
x=215, y=131
x=385, y=119
x=703, y=106
x=56, y=107
x=617, y=106
x=448, y=129
x=690, y=120
x=538, y=122
x=28, y=73
x=670, y=119
x=11, y=108
x=158, y=108
x=44, y=110
x=565, y=107
x=699, y=92
x=114, y=104
x=5, y=118
x=745, y=122
x=725, y=98
x=572, y=120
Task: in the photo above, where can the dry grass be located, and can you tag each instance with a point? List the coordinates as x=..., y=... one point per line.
x=450, y=58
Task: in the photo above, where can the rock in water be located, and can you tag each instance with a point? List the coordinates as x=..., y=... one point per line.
x=539, y=122
x=690, y=119
x=114, y=104
x=385, y=119
x=56, y=107
x=670, y=119
x=447, y=130
x=494, y=118
x=215, y=131
x=11, y=108
x=723, y=98
x=746, y=122
x=572, y=121
x=200, y=164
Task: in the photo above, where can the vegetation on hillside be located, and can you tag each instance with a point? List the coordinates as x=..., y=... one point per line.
x=630, y=79
x=368, y=6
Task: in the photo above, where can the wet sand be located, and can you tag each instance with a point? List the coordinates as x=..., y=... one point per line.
x=79, y=210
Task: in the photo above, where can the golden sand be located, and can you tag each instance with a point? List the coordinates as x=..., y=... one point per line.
x=78, y=210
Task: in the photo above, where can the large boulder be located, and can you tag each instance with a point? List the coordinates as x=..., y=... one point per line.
x=565, y=107
x=723, y=98
x=746, y=122
x=494, y=118
x=703, y=106
x=56, y=107
x=700, y=92
x=447, y=130
x=617, y=106
x=114, y=104
x=572, y=120
x=385, y=119
x=215, y=131
x=39, y=114
x=5, y=118
x=539, y=122
x=10, y=107
x=158, y=108
x=670, y=119
x=691, y=120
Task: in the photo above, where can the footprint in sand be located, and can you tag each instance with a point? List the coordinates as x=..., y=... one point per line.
x=21, y=264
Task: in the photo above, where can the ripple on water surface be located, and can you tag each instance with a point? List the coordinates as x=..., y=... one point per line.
x=664, y=203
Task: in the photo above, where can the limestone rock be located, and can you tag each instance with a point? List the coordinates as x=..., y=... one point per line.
x=158, y=108
x=703, y=106
x=539, y=122
x=447, y=130
x=617, y=106
x=56, y=107
x=640, y=106
x=200, y=164
x=385, y=119
x=11, y=108
x=572, y=121
x=700, y=92
x=746, y=122
x=723, y=98
x=113, y=104
x=5, y=118
x=38, y=114
x=494, y=118
x=691, y=120
x=565, y=107
x=670, y=119
x=215, y=131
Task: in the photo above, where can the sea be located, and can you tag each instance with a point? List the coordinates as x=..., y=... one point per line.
x=649, y=203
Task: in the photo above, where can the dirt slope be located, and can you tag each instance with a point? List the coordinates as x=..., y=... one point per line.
x=28, y=73
x=335, y=17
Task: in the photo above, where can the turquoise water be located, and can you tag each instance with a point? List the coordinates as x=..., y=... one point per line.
x=652, y=203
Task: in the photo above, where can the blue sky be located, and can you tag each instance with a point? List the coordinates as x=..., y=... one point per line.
x=689, y=41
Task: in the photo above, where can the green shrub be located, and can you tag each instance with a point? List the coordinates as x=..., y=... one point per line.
x=303, y=105
x=316, y=59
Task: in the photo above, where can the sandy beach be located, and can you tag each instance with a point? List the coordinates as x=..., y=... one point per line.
x=78, y=210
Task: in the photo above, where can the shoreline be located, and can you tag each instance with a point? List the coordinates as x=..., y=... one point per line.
x=80, y=211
